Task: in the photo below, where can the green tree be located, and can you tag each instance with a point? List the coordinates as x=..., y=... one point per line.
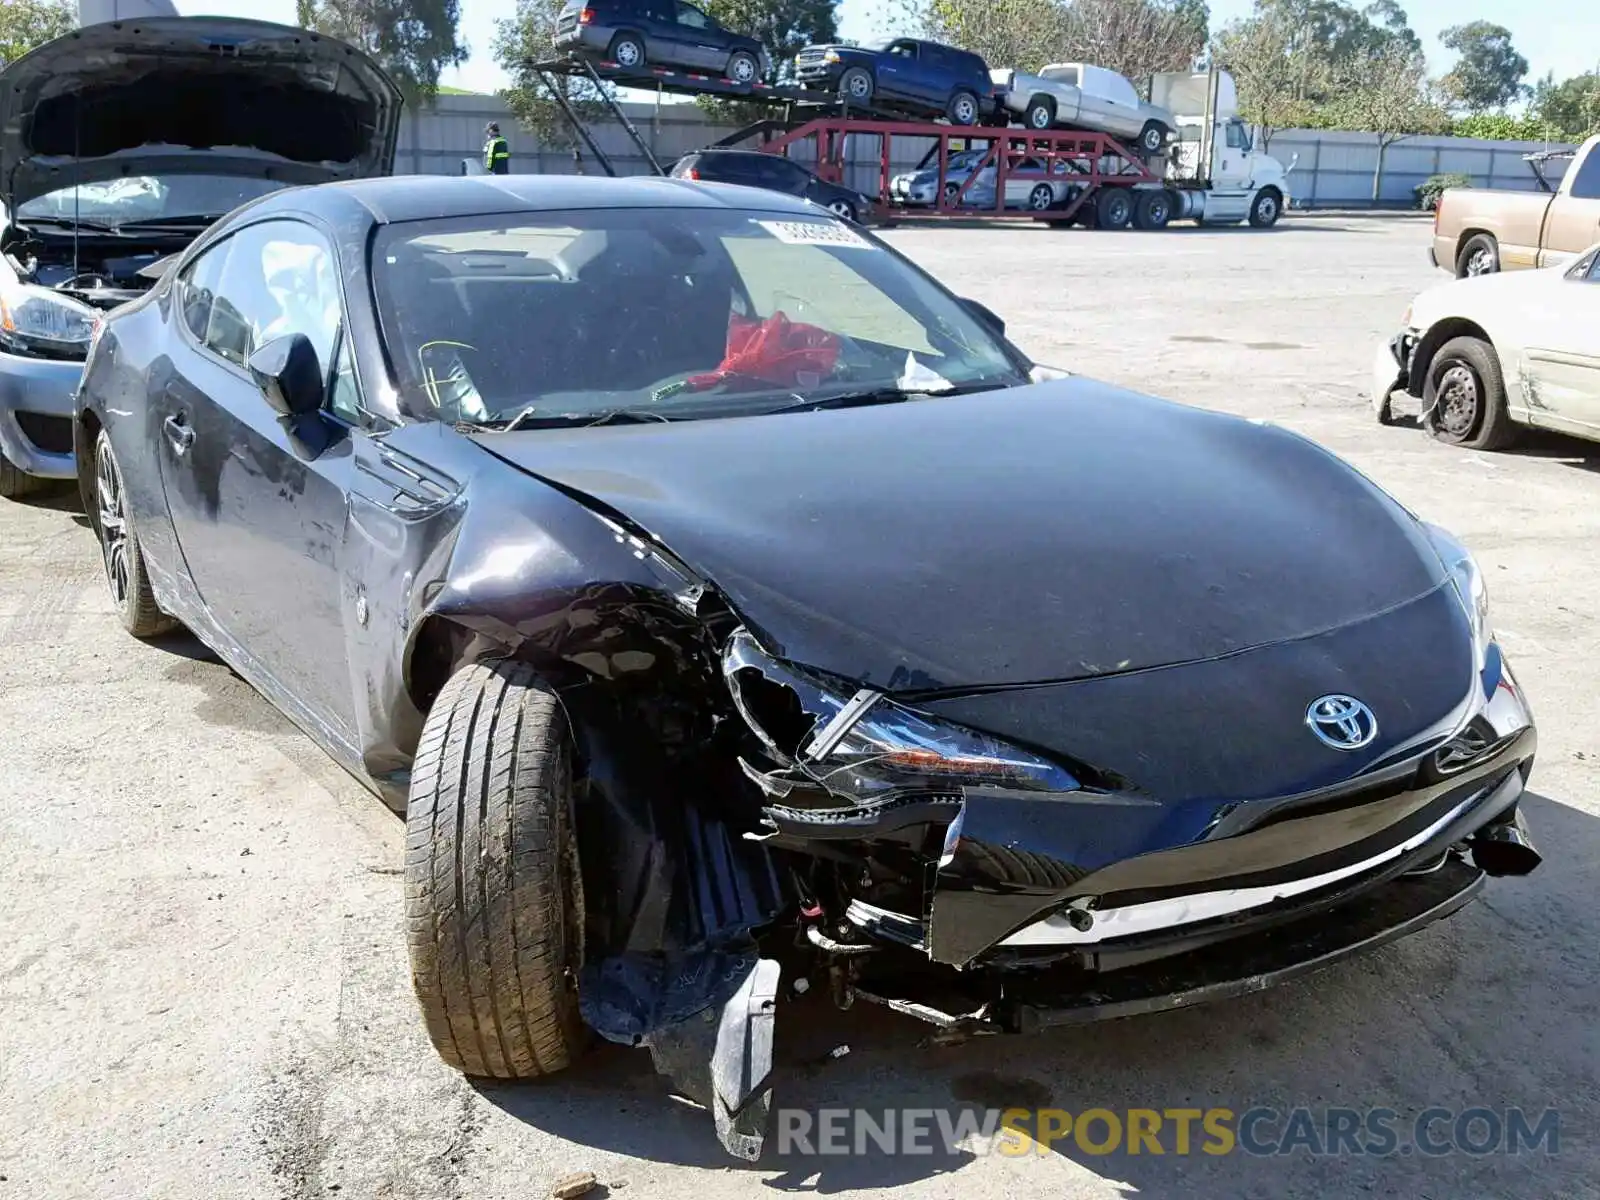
x=1570, y=108
x=526, y=38
x=1136, y=38
x=1281, y=76
x=1488, y=74
x=414, y=40
x=25, y=24
x=1387, y=25
x=1023, y=34
x=782, y=26
x=1388, y=96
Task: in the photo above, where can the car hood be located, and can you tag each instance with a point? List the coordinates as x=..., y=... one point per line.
x=198, y=95
x=1485, y=296
x=1058, y=531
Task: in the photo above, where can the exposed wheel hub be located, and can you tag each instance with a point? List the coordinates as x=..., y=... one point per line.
x=1457, y=400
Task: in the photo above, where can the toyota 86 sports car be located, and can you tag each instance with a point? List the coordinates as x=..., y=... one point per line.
x=728, y=605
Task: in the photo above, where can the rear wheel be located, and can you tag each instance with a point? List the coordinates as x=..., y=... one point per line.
x=1479, y=256
x=1041, y=198
x=1113, y=208
x=627, y=50
x=743, y=67
x=119, y=549
x=1464, y=397
x=962, y=109
x=494, y=902
x=1153, y=210
x=1040, y=114
x=856, y=86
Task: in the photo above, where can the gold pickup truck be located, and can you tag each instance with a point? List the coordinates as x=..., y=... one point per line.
x=1479, y=232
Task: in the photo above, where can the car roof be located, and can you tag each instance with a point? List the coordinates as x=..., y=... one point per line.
x=424, y=197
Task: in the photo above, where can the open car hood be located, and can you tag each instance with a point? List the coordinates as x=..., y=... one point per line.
x=197, y=95
x=1058, y=531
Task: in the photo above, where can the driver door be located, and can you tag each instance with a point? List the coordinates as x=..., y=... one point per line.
x=259, y=514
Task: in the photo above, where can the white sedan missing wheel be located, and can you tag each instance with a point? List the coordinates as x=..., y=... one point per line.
x=1488, y=355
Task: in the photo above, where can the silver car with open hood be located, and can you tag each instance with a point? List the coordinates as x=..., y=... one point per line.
x=119, y=144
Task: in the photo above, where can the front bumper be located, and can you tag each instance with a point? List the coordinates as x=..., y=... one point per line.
x=38, y=398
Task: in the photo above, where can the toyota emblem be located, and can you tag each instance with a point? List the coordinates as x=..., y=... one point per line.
x=1342, y=722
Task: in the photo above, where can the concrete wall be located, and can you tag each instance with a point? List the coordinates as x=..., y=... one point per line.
x=1334, y=168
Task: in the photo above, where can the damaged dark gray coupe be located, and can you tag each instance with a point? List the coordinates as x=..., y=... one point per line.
x=728, y=606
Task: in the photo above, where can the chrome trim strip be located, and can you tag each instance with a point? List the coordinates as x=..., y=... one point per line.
x=1153, y=915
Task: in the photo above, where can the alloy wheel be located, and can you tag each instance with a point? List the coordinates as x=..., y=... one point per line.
x=113, y=521
x=1480, y=262
x=843, y=209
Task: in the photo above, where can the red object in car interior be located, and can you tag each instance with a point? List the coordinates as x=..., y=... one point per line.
x=776, y=351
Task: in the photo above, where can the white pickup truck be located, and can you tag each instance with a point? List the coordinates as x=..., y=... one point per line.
x=1080, y=96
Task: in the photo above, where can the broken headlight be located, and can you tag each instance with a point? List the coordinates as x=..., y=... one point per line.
x=862, y=744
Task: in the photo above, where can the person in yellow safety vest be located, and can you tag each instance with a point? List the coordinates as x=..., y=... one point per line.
x=496, y=151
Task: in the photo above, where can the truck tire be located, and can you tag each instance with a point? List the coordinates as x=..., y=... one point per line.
x=856, y=86
x=1040, y=113
x=1464, y=397
x=1152, y=137
x=120, y=551
x=627, y=50
x=1480, y=255
x=963, y=109
x=1266, y=208
x=1113, y=208
x=1153, y=209
x=494, y=899
x=15, y=482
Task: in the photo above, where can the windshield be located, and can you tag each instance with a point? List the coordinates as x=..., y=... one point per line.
x=148, y=198
x=668, y=313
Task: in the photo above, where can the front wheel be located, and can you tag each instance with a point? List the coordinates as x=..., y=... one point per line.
x=962, y=109
x=1464, y=397
x=494, y=899
x=1041, y=113
x=856, y=86
x=126, y=576
x=1266, y=208
x=1152, y=137
x=844, y=210
x=1041, y=198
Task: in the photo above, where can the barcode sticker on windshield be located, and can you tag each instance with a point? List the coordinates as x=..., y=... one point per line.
x=815, y=233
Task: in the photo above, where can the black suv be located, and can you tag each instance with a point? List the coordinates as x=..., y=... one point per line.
x=753, y=168
x=924, y=79
x=662, y=33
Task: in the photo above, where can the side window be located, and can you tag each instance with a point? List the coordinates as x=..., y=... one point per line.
x=904, y=50
x=197, y=287
x=691, y=16
x=791, y=177
x=279, y=278
x=1586, y=184
x=344, y=397
x=1238, y=139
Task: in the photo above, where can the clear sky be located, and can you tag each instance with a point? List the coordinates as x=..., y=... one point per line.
x=1553, y=35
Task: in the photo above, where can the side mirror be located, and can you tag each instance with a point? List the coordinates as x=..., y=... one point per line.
x=985, y=314
x=288, y=373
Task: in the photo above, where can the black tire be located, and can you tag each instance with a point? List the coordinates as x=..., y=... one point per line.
x=1113, y=208
x=1152, y=137
x=1266, y=208
x=1464, y=397
x=1480, y=255
x=1040, y=113
x=120, y=551
x=627, y=50
x=963, y=109
x=950, y=194
x=844, y=210
x=494, y=906
x=1042, y=198
x=1153, y=209
x=16, y=483
x=749, y=64
x=856, y=86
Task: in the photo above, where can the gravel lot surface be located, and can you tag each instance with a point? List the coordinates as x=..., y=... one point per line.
x=203, y=985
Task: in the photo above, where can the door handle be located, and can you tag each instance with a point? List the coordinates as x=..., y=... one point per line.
x=178, y=433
